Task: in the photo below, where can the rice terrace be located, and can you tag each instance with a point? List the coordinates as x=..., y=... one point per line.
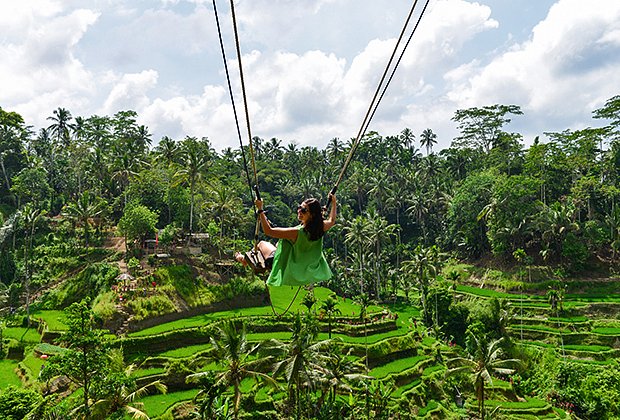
x=387, y=276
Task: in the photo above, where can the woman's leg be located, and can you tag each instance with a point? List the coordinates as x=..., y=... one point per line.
x=266, y=248
x=240, y=258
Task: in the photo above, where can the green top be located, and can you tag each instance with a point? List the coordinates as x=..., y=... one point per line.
x=299, y=263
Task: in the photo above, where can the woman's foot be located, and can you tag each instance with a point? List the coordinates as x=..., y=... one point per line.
x=240, y=258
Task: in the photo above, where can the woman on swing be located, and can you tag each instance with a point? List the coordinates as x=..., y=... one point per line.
x=298, y=259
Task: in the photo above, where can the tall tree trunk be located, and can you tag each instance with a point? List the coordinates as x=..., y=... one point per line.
x=6, y=177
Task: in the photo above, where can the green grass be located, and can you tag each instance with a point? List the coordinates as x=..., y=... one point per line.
x=395, y=366
x=431, y=406
x=533, y=301
x=595, y=362
x=493, y=293
x=517, y=327
x=7, y=374
x=156, y=405
x=574, y=319
x=406, y=314
x=286, y=335
x=531, y=403
x=49, y=349
x=26, y=335
x=281, y=297
x=500, y=384
x=183, y=352
x=139, y=373
x=607, y=331
x=33, y=364
x=591, y=348
x=539, y=344
x=53, y=319
x=569, y=347
x=593, y=297
x=201, y=320
x=431, y=369
x=401, y=390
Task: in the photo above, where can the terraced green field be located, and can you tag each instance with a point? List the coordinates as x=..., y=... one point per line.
x=156, y=405
x=419, y=369
x=8, y=375
x=396, y=366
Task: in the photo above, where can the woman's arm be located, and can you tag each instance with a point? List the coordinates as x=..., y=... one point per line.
x=331, y=220
x=278, y=233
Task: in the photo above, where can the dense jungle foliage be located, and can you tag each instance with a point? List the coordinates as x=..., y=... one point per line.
x=451, y=239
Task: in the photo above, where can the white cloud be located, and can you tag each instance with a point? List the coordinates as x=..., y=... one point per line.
x=567, y=67
x=197, y=116
x=130, y=92
x=39, y=71
x=51, y=43
x=17, y=16
x=311, y=67
x=314, y=96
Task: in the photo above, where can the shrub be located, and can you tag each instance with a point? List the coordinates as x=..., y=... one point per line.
x=88, y=283
x=575, y=252
x=151, y=306
x=237, y=286
x=133, y=265
x=16, y=403
x=104, y=306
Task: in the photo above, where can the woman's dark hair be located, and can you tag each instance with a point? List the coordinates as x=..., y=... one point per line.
x=314, y=227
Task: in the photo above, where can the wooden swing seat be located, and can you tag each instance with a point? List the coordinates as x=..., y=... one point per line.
x=256, y=260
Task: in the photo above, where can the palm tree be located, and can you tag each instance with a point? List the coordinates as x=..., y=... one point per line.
x=273, y=149
x=612, y=222
x=301, y=360
x=167, y=150
x=418, y=209
x=557, y=221
x=335, y=149
x=407, y=137
x=329, y=308
x=309, y=300
x=224, y=206
x=358, y=183
x=84, y=209
x=396, y=201
x=61, y=127
x=141, y=139
x=233, y=351
x=379, y=185
x=555, y=298
x=427, y=140
x=208, y=396
x=123, y=391
x=125, y=166
x=338, y=374
x=357, y=237
x=379, y=232
x=3, y=155
x=363, y=300
x=486, y=358
x=423, y=267
x=195, y=161
x=31, y=216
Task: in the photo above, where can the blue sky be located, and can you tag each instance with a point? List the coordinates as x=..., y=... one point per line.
x=310, y=66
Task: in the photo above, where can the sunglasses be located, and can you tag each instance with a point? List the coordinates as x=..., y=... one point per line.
x=304, y=210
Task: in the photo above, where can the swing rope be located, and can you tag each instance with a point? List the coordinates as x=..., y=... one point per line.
x=247, y=121
x=232, y=99
x=374, y=104
x=249, y=133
